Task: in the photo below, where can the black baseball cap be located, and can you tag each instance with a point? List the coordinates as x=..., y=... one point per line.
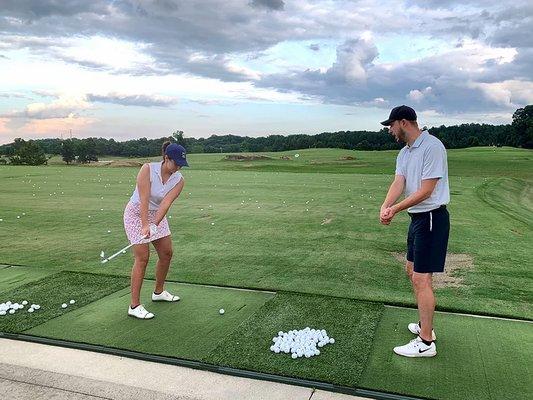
x=399, y=113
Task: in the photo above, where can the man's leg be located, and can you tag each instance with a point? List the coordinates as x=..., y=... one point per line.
x=409, y=265
x=422, y=284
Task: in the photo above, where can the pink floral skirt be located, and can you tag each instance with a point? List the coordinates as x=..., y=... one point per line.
x=133, y=226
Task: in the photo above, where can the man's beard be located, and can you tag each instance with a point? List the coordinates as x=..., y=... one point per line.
x=402, y=136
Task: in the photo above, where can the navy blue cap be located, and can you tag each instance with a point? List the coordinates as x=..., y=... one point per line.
x=177, y=153
x=399, y=113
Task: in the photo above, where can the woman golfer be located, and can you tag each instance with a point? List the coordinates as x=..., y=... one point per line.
x=158, y=185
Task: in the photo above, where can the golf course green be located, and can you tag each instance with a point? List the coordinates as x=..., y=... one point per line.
x=283, y=243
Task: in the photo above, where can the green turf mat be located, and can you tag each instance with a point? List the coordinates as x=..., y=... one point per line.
x=477, y=358
x=13, y=276
x=50, y=292
x=351, y=323
x=189, y=328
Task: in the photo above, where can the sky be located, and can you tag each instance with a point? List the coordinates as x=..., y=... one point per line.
x=127, y=69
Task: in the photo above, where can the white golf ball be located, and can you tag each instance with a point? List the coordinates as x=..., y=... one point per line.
x=36, y=306
x=72, y=301
x=24, y=303
x=30, y=310
x=102, y=254
x=2, y=312
x=221, y=311
x=64, y=305
x=294, y=355
x=277, y=350
x=331, y=340
x=12, y=311
x=108, y=231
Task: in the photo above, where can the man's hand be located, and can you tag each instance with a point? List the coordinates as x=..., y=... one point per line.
x=386, y=215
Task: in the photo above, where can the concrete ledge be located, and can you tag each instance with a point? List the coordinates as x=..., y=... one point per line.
x=31, y=370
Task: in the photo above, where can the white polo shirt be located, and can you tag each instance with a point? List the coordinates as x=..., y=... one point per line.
x=424, y=159
x=158, y=190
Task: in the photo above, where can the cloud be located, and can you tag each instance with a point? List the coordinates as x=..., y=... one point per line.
x=450, y=82
x=14, y=95
x=268, y=4
x=139, y=100
x=221, y=39
x=417, y=95
x=68, y=107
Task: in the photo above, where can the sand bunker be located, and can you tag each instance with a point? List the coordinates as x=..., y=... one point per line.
x=240, y=157
x=450, y=277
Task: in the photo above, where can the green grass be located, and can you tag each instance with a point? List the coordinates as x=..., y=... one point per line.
x=351, y=323
x=269, y=230
x=477, y=358
x=13, y=276
x=190, y=328
x=308, y=229
x=52, y=291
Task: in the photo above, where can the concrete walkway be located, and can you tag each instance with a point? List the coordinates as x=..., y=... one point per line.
x=35, y=371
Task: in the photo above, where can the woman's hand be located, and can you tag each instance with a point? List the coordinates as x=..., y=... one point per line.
x=145, y=231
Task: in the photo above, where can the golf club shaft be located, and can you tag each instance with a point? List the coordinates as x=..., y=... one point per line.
x=120, y=251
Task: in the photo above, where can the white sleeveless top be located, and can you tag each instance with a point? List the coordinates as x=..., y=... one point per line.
x=158, y=190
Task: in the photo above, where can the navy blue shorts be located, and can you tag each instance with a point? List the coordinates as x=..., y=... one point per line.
x=427, y=240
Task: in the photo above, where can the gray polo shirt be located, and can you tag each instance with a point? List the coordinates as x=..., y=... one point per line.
x=424, y=159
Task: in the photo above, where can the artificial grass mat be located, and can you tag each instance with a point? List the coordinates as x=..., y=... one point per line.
x=13, y=276
x=477, y=358
x=351, y=323
x=50, y=292
x=189, y=328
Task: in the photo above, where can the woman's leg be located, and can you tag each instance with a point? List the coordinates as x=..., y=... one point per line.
x=141, y=252
x=163, y=247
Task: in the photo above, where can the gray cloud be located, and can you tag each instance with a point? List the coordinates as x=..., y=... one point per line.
x=437, y=83
x=139, y=100
x=269, y=4
x=182, y=37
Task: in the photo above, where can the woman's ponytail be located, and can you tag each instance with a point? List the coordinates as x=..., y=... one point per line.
x=164, y=147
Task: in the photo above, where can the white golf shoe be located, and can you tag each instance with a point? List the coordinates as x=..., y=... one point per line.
x=416, y=348
x=164, y=296
x=415, y=329
x=140, y=312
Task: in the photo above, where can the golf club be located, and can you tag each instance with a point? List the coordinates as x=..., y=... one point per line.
x=153, y=231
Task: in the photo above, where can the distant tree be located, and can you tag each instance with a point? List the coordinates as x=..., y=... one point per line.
x=473, y=141
x=523, y=127
x=67, y=151
x=28, y=153
x=179, y=137
x=81, y=152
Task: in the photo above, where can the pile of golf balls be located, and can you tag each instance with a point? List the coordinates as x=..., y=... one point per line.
x=12, y=308
x=301, y=343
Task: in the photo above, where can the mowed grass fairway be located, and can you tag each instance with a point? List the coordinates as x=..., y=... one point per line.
x=307, y=228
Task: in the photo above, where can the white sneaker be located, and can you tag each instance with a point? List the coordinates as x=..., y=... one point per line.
x=164, y=296
x=140, y=312
x=415, y=329
x=416, y=348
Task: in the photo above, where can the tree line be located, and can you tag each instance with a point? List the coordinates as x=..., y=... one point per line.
x=34, y=152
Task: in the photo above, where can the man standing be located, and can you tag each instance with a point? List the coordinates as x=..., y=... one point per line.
x=422, y=175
